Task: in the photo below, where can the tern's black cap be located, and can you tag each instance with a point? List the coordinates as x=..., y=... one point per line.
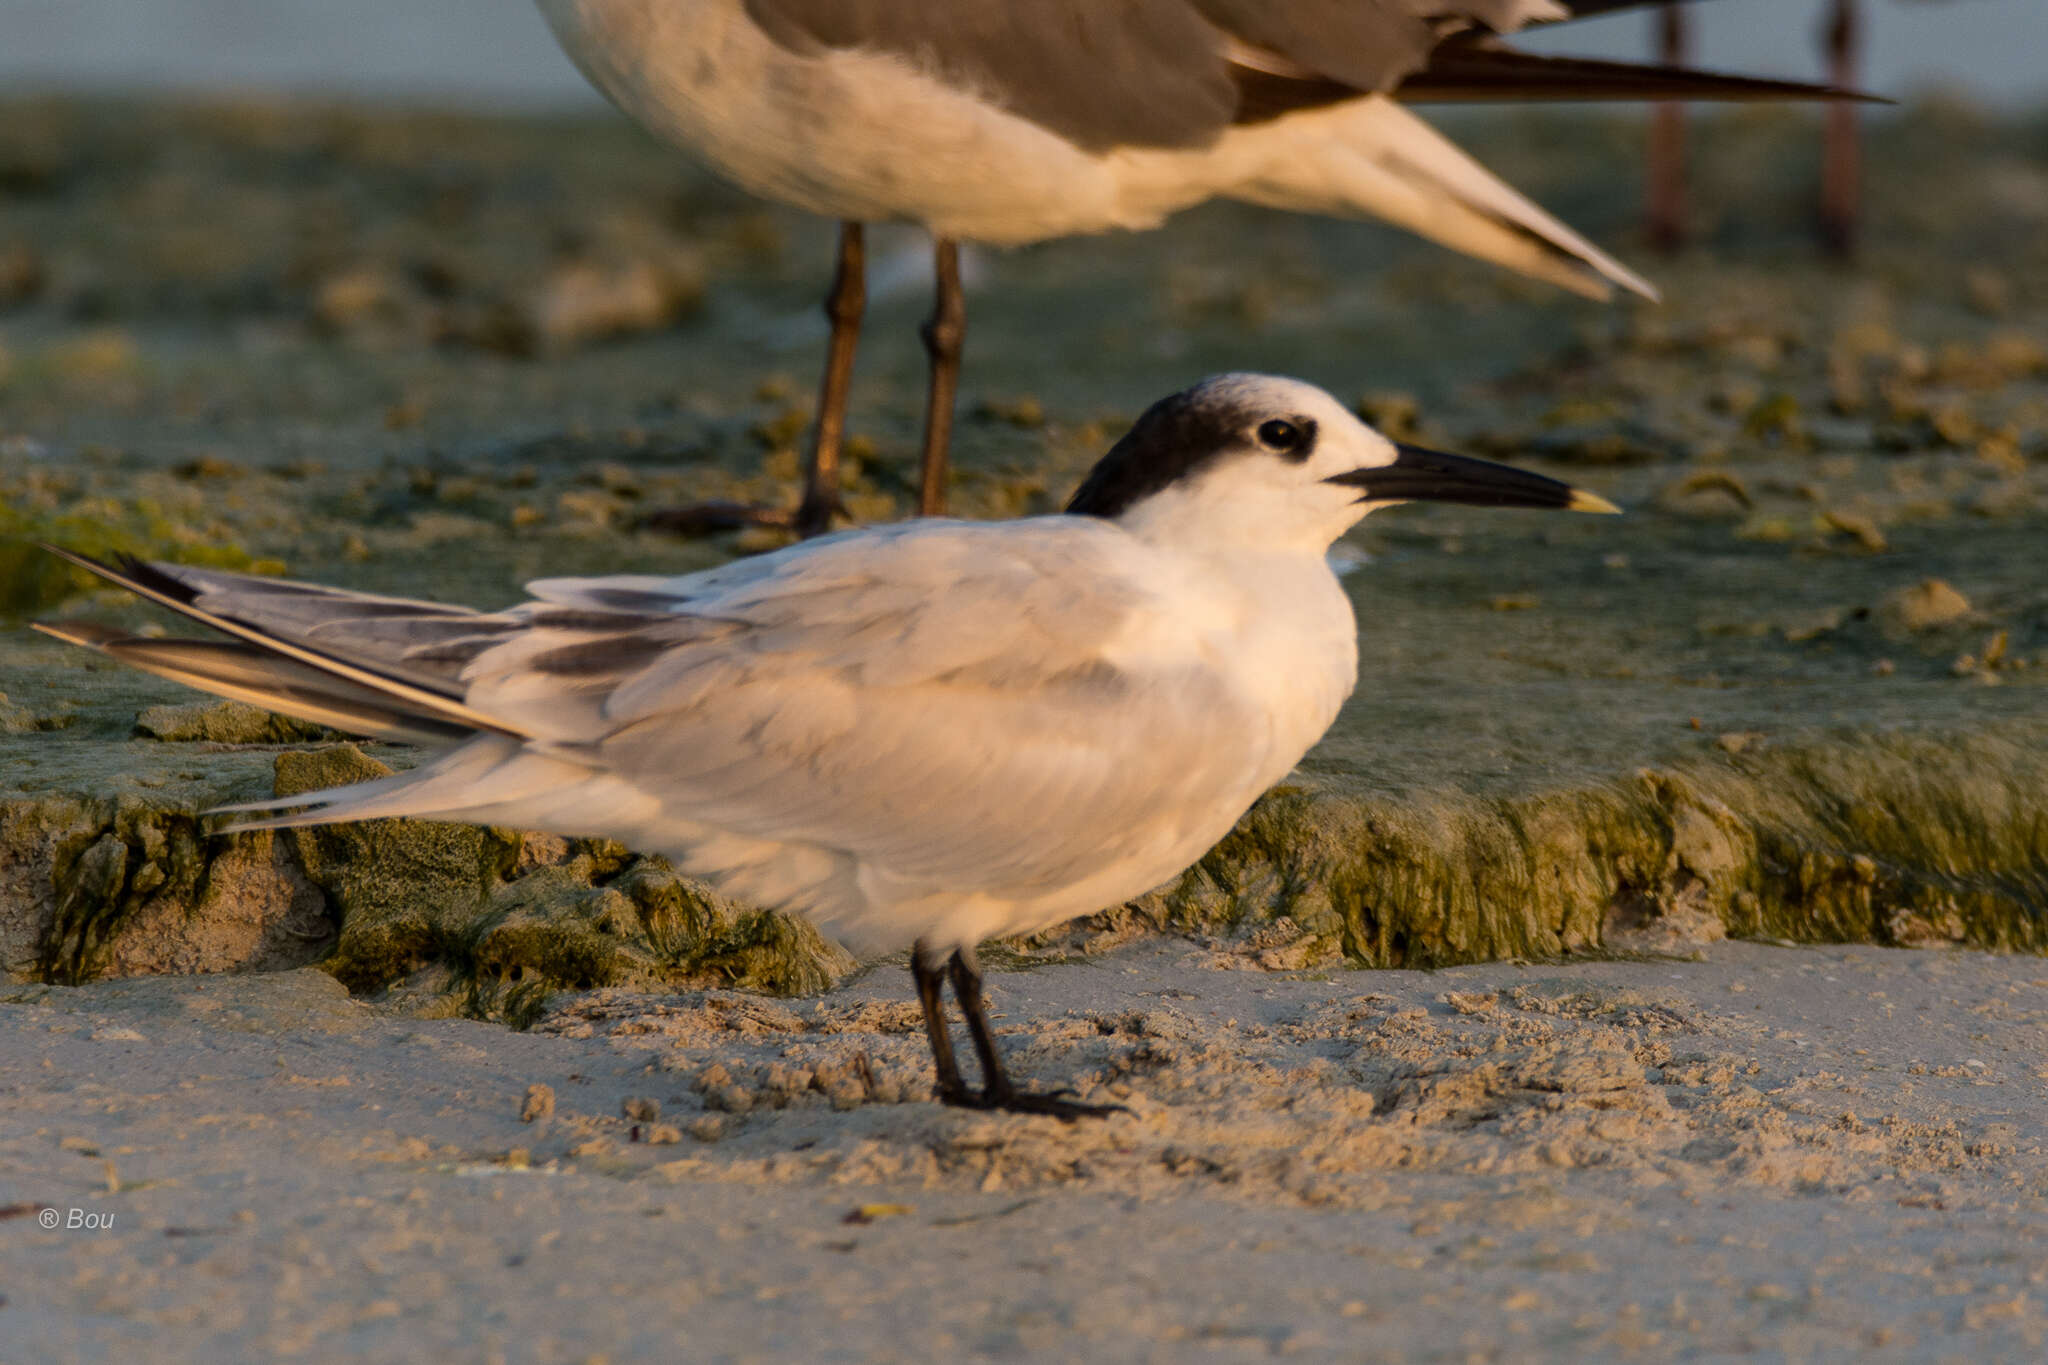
x=1180, y=436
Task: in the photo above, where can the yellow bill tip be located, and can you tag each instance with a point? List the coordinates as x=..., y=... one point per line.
x=1582, y=501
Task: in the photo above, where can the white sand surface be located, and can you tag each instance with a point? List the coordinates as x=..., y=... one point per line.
x=1761, y=1153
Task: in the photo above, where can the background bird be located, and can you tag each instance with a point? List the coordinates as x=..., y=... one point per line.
x=929, y=733
x=1841, y=168
x=1015, y=121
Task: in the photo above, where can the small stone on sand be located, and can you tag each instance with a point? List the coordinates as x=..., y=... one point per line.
x=538, y=1104
x=1928, y=605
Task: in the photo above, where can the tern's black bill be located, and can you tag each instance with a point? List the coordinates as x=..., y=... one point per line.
x=1419, y=475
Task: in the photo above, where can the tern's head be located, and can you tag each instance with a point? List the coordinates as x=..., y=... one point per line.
x=1280, y=464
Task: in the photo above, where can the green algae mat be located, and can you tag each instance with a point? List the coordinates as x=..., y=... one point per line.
x=1795, y=694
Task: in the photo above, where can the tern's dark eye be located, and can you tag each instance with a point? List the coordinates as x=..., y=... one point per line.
x=1287, y=438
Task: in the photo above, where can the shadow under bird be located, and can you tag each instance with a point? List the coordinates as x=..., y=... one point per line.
x=930, y=733
x=1015, y=121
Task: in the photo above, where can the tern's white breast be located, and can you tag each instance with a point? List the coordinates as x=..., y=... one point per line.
x=1277, y=634
x=1280, y=628
x=1236, y=668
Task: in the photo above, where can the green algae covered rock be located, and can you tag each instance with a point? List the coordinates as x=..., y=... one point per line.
x=1894, y=839
x=409, y=893
x=493, y=919
x=222, y=722
x=691, y=928
x=405, y=891
x=566, y=927
x=93, y=887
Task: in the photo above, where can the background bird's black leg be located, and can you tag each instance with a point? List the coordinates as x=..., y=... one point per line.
x=931, y=980
x=944, y=335
x=845, y=306
x=1667, y=139
x=996, y=1090
x=1841, y=172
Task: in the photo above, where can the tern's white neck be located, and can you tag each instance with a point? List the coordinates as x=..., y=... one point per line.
x=1272, y=620
x=1235, y=510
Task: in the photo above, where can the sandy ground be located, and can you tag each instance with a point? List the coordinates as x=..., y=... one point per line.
x=1764, y=1153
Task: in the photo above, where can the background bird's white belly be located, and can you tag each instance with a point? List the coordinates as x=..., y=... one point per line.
x=855, y=135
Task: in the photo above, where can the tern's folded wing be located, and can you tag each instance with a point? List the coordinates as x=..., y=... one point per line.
x=884, y=699
x=894, y=696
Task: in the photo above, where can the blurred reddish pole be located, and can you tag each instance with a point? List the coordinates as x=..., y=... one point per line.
x=1841, y=174
x=1667, y=140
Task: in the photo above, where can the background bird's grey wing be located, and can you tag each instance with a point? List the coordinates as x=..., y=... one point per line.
x=1366, y=44
x=1139, y=73
x=1177, y=73
x=1160, y=73
x=890, y=697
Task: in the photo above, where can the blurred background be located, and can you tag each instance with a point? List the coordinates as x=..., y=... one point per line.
x=499, y=51
x=388, y=230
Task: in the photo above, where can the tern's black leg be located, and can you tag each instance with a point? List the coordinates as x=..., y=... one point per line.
x=1841, y=172
x=996, y=1091
x=944, y=334
x=931, y=981
x=966, y=974
x=813, y=516
x=1667, y=139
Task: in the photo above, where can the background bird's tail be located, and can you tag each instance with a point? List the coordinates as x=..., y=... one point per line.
x=1326, y=151
x=1373, y=158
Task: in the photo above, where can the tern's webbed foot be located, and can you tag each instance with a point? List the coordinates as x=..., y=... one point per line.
x=998, y=1092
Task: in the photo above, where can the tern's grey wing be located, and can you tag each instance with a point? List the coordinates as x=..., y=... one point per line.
x=893, y=698
x=1149, y=72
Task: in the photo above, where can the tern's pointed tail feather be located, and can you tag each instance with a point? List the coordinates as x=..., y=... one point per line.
x=246, y=673
x=284, y=668
x=296, y=652
x=1373, y=158
x=377, y=666
x=474, y=783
